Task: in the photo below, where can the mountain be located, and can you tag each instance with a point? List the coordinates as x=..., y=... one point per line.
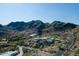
x=36, y=26
x=60, y=26
x=21, y=26
x=57, y=25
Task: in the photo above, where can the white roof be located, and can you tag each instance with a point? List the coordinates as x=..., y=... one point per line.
x=4, y=39
x=41, y=38
x=8, y=53
x=32, y=34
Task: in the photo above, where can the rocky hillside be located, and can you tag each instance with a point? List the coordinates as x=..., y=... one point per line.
x=39, y=38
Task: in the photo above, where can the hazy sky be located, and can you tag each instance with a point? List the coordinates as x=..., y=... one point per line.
x=45, y=12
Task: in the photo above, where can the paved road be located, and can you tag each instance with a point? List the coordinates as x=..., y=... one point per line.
x=20, y=50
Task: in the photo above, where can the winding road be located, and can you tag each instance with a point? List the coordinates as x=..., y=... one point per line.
x=20, y=50
x=68, y=45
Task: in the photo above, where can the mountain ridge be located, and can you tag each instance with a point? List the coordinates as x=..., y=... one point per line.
x=37, y=26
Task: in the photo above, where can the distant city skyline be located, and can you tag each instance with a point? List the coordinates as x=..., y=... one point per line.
x=46, y=12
